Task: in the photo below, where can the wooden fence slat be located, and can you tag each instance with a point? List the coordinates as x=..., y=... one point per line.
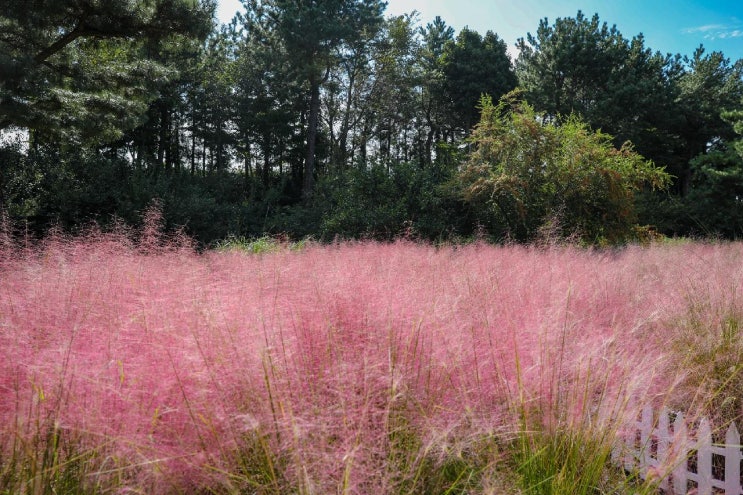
x=732, y=461
x=646, y=433
x=680, y=471
x=653, y=446
x=704, y=458
x=663, y=435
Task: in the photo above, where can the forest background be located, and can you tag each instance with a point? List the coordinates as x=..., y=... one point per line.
x=334, y=120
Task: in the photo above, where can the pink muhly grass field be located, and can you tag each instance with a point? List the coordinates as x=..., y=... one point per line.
x=346, y=368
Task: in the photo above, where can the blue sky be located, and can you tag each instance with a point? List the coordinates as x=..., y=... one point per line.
x=670, y=26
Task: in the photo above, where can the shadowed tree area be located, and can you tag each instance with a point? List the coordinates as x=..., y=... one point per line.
x=85, y=69
x=328, y=119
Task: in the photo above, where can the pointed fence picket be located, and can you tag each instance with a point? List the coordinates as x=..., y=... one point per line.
x=688, y=462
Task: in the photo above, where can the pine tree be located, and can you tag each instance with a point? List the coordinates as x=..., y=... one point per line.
x=312, y=34
x=81, y=69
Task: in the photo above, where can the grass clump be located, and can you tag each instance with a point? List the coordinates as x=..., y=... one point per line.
x=710, y=346
x=574, y=462
x=563, y=444
x=564, y=462
x=51, y=461
x=257, y=468
x=260, y=245
x=415, y=467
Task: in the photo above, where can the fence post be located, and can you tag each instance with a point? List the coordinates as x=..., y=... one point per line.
x=704, y=457
x=732, y=461
x=663, y=434
x=646, y=435
x=680, y=441
x=653, y=446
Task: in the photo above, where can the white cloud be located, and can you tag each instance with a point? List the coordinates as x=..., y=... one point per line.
x=736, y=33
x=705, y=29
x=734, y=29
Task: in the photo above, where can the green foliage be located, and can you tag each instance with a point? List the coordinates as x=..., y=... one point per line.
x=711, y=208
x=473, y=66
x=567, y=67
x=531, y=174
x=716, y=196
x=186, y=124
x=80, y=70
x=46, y=188
x=105, y=105
x=20, y=181
x=709, y=88
x=260, y=245
x=572, y=462
x=416, y=467
x=267, y=98
x=669, y=107
x=366, y=203
x=709, y=157
x=735, y=118
x=409, y=202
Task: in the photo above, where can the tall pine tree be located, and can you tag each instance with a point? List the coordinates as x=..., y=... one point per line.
x=313, y=33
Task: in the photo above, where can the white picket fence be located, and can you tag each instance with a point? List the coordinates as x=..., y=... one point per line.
x=656, y=445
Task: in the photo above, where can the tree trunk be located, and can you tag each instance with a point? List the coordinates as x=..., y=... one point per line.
x=309, y=161
x=247, y=175
x=164, y=134
x=220, y=162
x=342, y=150
x=266, y=172
x=175, y=151
x=193, y=152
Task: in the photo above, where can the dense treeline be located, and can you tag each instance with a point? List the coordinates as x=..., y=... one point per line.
x=329, y=119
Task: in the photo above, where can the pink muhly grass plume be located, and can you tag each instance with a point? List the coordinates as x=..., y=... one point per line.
x=346, y=368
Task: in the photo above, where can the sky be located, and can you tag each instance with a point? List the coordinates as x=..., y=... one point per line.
x=669, y=26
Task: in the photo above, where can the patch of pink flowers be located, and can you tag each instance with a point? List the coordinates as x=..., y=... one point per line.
x=165, y=361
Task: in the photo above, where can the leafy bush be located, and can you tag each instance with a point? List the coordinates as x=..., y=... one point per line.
x=529, y=173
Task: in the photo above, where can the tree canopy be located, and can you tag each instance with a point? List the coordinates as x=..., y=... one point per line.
x=80, y=67
x=328, y=118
